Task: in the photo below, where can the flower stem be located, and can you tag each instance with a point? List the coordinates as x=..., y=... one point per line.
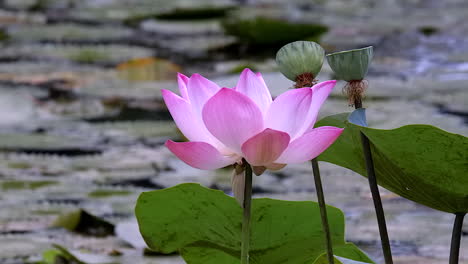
x=456, y=238
x=387, y=251
x=323, y=210
x=246, y=206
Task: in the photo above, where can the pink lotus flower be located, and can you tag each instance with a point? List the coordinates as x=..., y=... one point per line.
x=225, y=125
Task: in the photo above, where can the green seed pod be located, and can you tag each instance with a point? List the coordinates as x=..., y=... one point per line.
x=299, y=57
x=351, y=65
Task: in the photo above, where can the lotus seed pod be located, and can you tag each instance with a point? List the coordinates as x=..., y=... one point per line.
x=351, y=65
x=300, y=57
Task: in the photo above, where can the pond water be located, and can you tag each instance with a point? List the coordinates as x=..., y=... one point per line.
x=82, y=122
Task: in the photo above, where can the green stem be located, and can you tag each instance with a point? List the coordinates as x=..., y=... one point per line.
x=456, y=238
x=246, y=218
x=387, y=251
x=323, y=211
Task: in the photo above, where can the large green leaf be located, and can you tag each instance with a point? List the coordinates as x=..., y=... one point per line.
x=419, y=162
x=204, y=225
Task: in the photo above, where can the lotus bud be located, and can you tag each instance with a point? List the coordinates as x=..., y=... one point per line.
x=301, y=62
x=352, y=66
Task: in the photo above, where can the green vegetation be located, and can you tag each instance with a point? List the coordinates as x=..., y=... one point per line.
x=271, y=32
x=411, y=161
x=59, y=255
x=204, y=226
x=82, y=222
x=88, y=55
x=107, y=193
x=19, y=165
x=40, y=141
x=200, y=13
x=31, y=185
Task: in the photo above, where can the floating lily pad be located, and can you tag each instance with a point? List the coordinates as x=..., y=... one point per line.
x=19, y=165
x=102, y=193
x=205, y=226
x=89, y=54
x=181, y=28
x=68, y=33
x=31, y=185
x=126, y=10
x=45, y=144
x=140, y=129
x=32, y=141
x=271, y=31
x=82, y=222
x=192, y=14
x=419, y=162
x=59, y=255
x=32, y=167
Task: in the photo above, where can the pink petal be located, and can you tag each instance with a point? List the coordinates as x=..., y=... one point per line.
x=260, y=78
x=199, y=155
x=310, y=145
x=232, y=118
x=199, y=91
x=191, y=126
x=321, y=92
x=253, y=86
x=288, y=112
x=183, y=81
x=265, y=147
